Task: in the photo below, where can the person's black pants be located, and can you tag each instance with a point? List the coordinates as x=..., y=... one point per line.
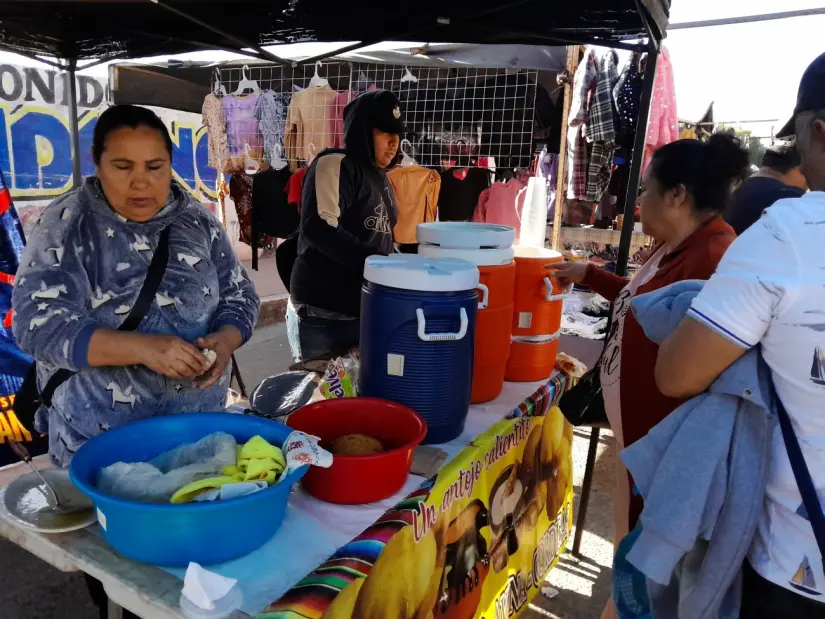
x=762, y=599
x=101, y=600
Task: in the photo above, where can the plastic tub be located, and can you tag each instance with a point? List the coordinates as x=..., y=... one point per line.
x=361, y=479
x=174, y=535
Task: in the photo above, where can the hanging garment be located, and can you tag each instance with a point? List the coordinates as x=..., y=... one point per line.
x=295, y=187
x=416, y=195
x=502, y=203
x=307, y=124
x=600, y=129
x=584, y=82
x=240, y=190
x=458, y=197
x=214, y=120
x=272, y=213
x=271, y=114
x=241, y=125
x=627, y=95
x=336, y=114
x=663, y=127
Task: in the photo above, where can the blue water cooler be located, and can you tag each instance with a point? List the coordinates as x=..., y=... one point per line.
x=418, y=319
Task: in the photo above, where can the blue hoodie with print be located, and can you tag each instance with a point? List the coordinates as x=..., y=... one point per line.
x=82, y=270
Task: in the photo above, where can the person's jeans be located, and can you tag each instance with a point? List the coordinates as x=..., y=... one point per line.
x=311, y=337
x=762, y=599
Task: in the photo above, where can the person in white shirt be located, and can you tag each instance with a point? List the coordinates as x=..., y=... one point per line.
x=769, y=290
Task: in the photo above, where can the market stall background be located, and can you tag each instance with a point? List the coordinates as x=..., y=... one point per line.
x=100, y=31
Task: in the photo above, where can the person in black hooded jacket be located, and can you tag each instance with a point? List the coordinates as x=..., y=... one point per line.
x=348, y=212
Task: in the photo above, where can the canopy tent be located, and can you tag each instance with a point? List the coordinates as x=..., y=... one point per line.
x=183, y=85
x=103, y=29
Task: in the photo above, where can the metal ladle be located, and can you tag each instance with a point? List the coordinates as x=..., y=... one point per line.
x=51, y=496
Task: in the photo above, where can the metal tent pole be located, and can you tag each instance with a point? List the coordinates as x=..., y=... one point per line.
x=74, y=129
x=561, y=178
x=621, y=262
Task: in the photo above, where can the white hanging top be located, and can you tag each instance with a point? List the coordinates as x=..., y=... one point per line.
x=465, y=235
x=412, y=272
x=497, y=256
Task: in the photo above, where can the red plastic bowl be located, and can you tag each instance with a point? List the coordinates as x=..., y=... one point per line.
x=354, y=480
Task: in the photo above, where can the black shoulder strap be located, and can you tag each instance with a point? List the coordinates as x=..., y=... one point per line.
x=803, y=476
x=151, y=285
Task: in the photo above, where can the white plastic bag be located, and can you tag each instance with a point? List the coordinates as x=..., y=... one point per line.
x=157, y=480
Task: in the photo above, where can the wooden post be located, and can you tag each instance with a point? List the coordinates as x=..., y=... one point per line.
x=573, y=52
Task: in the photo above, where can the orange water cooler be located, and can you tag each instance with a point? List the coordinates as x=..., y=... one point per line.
x=537, y=310
x=490, y=248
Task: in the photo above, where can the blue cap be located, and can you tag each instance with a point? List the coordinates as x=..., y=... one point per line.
x=811, y=94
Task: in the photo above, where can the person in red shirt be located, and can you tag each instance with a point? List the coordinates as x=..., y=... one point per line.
x=684, y=193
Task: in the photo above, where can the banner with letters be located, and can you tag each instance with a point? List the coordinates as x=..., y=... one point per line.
x=476, y=541
x=14, y=363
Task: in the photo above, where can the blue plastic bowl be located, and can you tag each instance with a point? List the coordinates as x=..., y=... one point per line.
x=173, y=535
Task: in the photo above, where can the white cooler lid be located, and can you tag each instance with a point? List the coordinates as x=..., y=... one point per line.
x=465, y=234
x=481, y=257
x=413, y=272
x=542, y=253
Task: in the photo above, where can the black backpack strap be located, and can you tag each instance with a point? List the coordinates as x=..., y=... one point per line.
x=151, y=285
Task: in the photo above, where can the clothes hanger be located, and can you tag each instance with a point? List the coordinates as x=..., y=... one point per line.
x=217, y=88
x=408, y=76
x=312, y=152
x=278, y=162
x=246, y=83
x=317, y=81
x=250, y=164
x=406, y=159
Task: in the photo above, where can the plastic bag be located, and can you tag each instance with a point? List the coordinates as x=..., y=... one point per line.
x=157, y=480
x=282, y=394
x=341, y=378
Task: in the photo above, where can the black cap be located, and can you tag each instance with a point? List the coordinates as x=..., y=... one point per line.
x=811, y=95
x=387, y=116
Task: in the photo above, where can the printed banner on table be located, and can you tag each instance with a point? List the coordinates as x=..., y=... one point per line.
x=14, y=363
x=476, y=541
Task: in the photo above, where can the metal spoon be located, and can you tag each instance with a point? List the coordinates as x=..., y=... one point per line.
x=51, y=496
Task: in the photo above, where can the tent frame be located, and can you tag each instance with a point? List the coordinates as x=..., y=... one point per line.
x=248, y=48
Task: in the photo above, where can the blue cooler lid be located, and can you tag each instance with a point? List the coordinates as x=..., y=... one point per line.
x=415, y=272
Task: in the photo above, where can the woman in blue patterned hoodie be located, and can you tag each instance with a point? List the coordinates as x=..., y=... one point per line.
x=81, y=273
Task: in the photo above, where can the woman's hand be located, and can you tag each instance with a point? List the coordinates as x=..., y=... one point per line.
x=224, y=342
x=569, y=272
x=172, y=357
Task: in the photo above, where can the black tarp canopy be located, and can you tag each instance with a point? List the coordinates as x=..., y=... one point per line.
x=102, y=29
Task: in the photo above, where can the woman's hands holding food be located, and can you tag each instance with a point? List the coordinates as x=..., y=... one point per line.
x=171, y=356
x=224, y=342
